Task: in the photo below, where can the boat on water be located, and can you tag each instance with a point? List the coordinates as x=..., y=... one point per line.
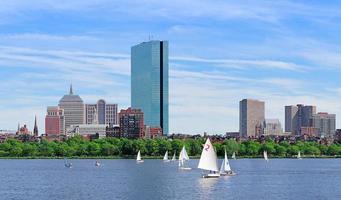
x=97, y=163
x=265, y=154
x=67, y=164
x=225, y=168
x=138, y=158
x=165, y=157
x=183, y=157
x=208, y=161
x=234, y=155
x=299, y=155
x=174, y=158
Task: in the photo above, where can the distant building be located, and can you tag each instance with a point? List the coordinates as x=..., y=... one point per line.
x=324, y=122
x=152, y=132
x=297, y=117
x=309, y=131
x=251, y=117
x=87, y=130
x=23, y=130
x=54, y=121
x=106, y=113
x=232, y=135
x=112, y=130
x=73, y=107
x=272, y=127
x=131, y=123
x=149, y=82
x=35, y=129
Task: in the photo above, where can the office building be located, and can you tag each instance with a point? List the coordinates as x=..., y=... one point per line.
x=54, y=121
x=73, y=107
x=251, y=117
x=297, y=117
x=272, y=127
x=149, y=82
x=131, y=123
x=106, y=113
x=324, y=122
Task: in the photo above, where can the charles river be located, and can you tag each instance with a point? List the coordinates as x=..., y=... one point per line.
x=124, y=179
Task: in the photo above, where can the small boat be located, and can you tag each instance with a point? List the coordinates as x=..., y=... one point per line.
x=234, y=155
x=67, y=164
x=97, y=163
x=182, y=158
x=265, y=154
x=225, y=168
x=299, y=155
x=138, y=158
x=174, y=158
x=165, y=158
x=208, y=161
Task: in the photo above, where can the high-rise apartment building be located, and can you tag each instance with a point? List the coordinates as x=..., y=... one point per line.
x=73, y=107
x=106, y=113
x=324, y=122
x=251, y=117
x=131, y=123
x=54, y=121
x=297, y=117
x=149, y=82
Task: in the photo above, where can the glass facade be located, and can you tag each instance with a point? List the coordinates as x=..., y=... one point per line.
x=149, y=82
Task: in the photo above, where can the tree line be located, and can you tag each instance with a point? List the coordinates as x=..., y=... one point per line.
x=122, y=147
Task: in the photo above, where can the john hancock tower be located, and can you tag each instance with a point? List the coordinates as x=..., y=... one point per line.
x=149, y=82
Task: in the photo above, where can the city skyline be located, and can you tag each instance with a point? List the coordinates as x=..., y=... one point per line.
x=283, y=53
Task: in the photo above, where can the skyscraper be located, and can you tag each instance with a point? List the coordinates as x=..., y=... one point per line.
x=73, y=107
x=149, y=82
x=297, y=117
x=251, y=117
x=106, y=113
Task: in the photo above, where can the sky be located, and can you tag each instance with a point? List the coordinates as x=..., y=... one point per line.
x=280, y=52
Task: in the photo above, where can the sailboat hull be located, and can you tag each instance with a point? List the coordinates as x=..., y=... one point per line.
x=185, y=168
x=139, y=161
x=211, y=175
x=166, y=160
x=228, y=173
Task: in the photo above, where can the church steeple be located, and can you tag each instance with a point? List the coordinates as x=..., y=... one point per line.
x=35, y=129
x=71, y=92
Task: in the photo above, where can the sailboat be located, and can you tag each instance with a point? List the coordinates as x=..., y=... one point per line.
x=97, y=163
x=225, y=168
x=299, y=155
x=182, y=158
x=165, y=158
x=265, y=154
x=174, y=158
x=138, y=158
x=234, y=155
x=67, y=164
x=208, y=161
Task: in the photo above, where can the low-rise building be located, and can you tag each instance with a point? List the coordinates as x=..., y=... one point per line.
x=152, y=132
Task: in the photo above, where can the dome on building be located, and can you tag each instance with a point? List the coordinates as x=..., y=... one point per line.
x=71, y=97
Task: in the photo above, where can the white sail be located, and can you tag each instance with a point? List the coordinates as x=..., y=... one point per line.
x=299, y=155
x=234, y=155
x=138, y=158
x=173, y=158
x=208, y=159
x=166, y=156
x=265, y=153
x=225, y=165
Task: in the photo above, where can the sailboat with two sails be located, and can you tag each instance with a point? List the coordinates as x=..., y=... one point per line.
x=183, y=157
x=208, y=161
x=225, y=168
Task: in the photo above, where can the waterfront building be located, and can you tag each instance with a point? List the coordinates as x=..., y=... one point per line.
x=251, y=117
x=131, y=123
x=106, y=113
x=272, y=127
x=149, y=82
x=324, y=122
x=73, y=107
x=54, y=121
x=297, y=117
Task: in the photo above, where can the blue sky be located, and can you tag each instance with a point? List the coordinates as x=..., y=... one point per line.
x=282, y=52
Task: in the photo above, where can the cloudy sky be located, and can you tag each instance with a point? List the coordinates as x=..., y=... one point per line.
x=282, y=52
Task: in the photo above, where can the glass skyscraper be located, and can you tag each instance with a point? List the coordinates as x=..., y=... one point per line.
x=149, y=82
